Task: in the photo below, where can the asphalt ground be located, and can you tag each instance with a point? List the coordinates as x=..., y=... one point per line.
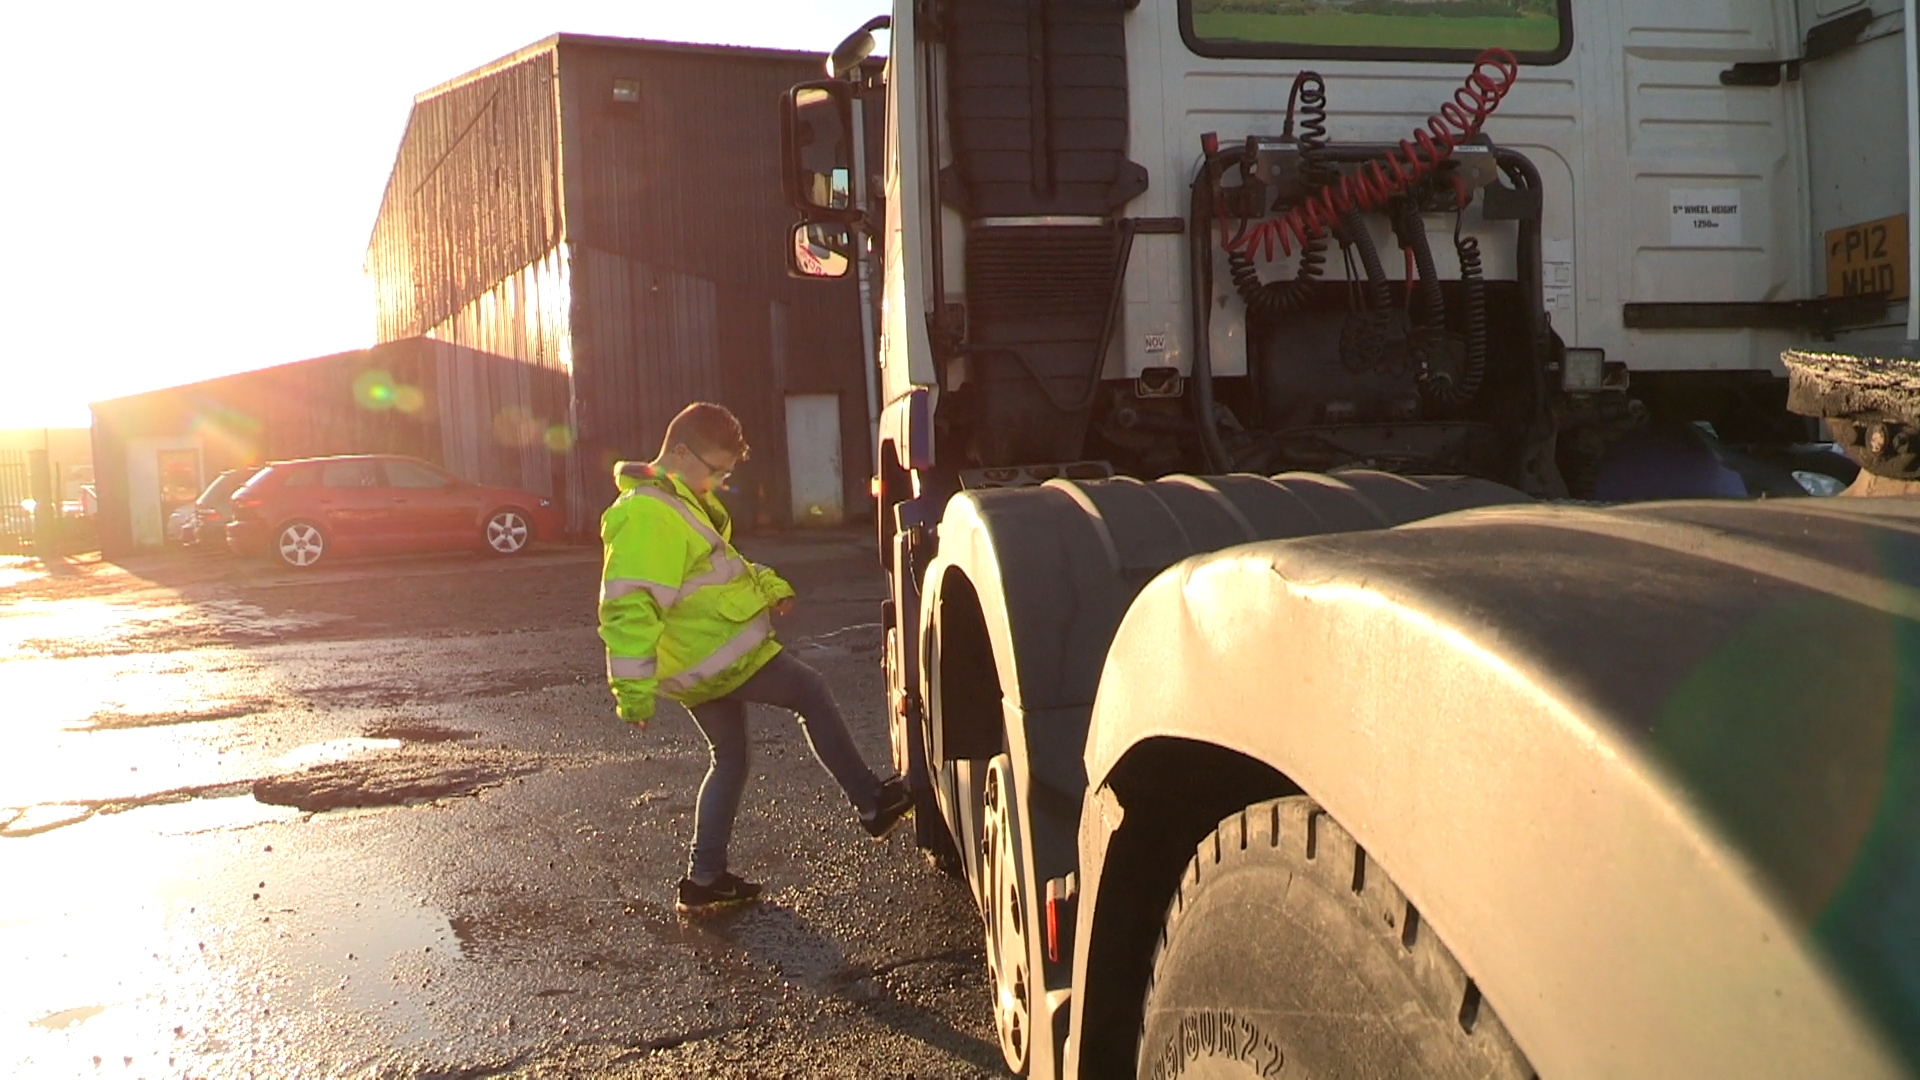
x=378, y=819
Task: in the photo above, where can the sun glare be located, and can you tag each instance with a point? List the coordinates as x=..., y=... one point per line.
x=242, y=243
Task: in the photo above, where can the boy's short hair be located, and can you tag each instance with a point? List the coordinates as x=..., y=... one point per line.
x=705, y=428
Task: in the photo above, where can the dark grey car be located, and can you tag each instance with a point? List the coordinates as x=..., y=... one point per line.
x=206, y=528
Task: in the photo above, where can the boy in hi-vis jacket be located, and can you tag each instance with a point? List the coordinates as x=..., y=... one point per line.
x=685, y=617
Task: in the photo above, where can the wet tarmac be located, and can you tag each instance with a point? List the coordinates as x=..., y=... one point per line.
x=378, y=820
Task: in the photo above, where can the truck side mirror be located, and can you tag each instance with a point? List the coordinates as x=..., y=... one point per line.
x=819, y=251
x=851, y=53
x=817, y=139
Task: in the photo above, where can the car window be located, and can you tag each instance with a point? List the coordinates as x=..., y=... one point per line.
x=223, y=488
x=304, y=476
x=349, y=474
x=413, y=474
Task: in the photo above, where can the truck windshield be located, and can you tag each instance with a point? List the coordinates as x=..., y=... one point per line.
x=1536, y=31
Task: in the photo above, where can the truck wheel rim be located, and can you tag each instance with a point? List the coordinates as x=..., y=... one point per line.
x=301, y=545
x=1006, y=922
x=506, y=532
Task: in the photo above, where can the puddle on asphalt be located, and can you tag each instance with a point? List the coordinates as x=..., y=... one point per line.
x=325, y=753
x=79, y=627
x=198, y=816
x=103, y=729
x=379, y=957
x=118, y=719
x=134, y=952
x=167, y=814
x=57, y=627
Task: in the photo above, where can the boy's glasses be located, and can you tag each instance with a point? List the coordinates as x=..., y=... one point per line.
x=719, y=475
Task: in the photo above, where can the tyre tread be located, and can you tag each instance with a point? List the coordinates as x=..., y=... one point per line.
x=1315, y=843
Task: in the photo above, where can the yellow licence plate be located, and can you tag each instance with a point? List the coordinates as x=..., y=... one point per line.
x=1869, y=258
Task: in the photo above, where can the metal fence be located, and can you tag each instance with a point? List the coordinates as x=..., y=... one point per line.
x=16, y=489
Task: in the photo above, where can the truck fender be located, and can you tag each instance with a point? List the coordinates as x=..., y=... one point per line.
x=1650, y=772
x=1024, y=598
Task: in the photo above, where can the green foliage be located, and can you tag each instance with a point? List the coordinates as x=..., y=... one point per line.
x=1453, y=9
x=1457, y=9
x=1283, y=22
x=1257, y=7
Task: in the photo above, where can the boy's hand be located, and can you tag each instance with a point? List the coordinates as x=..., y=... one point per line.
x=634, y=708
x=783, y=605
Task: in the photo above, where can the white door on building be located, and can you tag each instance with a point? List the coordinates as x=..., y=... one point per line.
x=813, y=459
x=159, y=471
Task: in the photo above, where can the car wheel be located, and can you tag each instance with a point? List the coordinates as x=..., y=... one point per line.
x=1288, y=952
x=508, y=532
x=300, y=545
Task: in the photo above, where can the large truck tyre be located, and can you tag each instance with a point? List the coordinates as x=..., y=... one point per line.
x=1286, y=953
x=1020, y=607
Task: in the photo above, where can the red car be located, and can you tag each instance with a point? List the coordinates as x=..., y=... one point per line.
x=307, y=511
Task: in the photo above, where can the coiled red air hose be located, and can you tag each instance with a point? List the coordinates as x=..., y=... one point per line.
x=1374, y=183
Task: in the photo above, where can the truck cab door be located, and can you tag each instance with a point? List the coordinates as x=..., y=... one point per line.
x=1860, y=146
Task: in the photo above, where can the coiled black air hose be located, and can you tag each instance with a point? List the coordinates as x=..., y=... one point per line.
x=1307, y=102
x=1379, y=294
x=1363, y=342
x=1430, y=313
x=1473, y=290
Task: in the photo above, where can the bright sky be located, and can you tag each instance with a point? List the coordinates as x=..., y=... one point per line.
x=188, y=188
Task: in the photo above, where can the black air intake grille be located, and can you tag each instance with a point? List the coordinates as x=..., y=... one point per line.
x=1016, y=272
x=1038, y=105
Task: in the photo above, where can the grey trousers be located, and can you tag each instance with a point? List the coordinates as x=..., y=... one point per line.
x=784, y=683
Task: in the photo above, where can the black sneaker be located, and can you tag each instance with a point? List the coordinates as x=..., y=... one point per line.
x=728, y=891
x=893, y=803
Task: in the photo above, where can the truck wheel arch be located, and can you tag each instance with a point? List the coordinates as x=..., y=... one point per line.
x=1480, y=746
x=1031, y=583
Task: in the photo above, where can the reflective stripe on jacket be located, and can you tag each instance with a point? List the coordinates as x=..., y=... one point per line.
x=681, y=613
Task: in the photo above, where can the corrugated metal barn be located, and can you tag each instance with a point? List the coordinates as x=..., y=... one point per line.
x=468, y=410
x=610, y=210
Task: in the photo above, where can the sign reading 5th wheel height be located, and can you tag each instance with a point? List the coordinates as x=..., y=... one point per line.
x=1869, y=258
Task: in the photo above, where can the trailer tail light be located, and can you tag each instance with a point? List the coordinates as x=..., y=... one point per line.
x=1062, y=892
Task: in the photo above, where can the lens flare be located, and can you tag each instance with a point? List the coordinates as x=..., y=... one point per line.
x=514, y=426
x=374, y=390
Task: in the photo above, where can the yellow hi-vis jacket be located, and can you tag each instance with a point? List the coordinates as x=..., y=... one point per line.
x=681, y=613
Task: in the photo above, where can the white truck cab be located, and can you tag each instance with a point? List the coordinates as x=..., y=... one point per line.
x=1723, y=179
